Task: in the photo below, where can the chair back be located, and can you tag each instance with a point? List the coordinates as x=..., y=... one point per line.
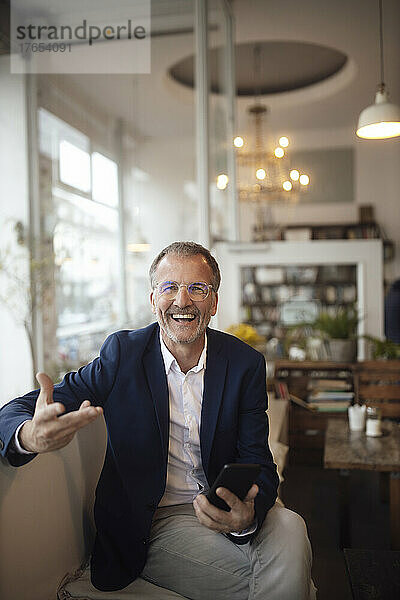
x=377, y=383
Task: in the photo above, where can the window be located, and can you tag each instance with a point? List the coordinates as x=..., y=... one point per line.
x=74, y=166
x=80, y=201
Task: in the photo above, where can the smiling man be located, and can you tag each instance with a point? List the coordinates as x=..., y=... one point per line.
x=180, y=400
x=183, y=311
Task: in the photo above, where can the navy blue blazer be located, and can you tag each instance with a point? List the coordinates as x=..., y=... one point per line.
x=128, y=380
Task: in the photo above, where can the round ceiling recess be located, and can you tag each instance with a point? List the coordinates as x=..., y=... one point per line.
x=281, y=67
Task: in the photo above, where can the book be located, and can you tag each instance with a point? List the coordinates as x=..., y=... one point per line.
x=337, y=406
x=329, y=384
x=330, y=396
x=282, y=392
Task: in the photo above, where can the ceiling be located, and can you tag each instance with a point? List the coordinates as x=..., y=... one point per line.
x=267, y=67
x=155, y=105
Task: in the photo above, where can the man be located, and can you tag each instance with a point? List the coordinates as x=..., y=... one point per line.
x=180, y=400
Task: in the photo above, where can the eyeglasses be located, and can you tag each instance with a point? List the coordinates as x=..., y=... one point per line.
x=197, y=291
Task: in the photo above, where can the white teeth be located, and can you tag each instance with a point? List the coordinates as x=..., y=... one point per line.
x=183, y=316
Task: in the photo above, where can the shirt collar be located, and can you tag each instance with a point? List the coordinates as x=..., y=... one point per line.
x=170, y=360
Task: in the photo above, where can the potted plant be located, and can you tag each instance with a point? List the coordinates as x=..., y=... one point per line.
x=383, y=349
x=339, y=329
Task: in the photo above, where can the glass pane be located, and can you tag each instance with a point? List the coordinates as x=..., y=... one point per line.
x=87, y=264
x=160, y=150
x=105, y=179
x=220, y=143
x=81, y=244
x=74, y=166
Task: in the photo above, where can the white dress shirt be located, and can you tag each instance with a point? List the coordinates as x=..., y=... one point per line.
x=185, y=474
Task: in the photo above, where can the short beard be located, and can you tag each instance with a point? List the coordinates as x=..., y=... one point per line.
x=200, y=329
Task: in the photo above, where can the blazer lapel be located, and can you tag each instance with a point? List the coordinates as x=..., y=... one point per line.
x=214, y=381
x=155, y=372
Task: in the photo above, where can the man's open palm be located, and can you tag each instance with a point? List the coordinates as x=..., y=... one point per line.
x=49, y=428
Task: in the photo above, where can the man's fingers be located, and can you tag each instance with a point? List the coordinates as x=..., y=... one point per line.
x=49, y=412
x=84, y=404
x=46, y=389
x=76, y=420
x=58, y=425
x=205, y=519
x=213, y=512
x=252, y=493
x=67, y=425
x=231, y=499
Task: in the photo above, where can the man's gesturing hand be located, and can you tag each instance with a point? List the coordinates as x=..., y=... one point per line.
x=47, y=431
x=240, y=517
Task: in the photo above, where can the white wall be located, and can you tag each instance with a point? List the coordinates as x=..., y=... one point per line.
x=378, y=183
x=15, y=360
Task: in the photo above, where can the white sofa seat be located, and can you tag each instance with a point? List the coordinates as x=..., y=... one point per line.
x=80, y=588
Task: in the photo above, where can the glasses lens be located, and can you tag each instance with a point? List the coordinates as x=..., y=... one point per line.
x=198, y=290
x=169, y=289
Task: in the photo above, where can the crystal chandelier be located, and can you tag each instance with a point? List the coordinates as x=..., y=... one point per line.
x=266, y=176
x=263, y=175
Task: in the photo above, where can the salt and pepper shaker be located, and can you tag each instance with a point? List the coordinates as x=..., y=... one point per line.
x=373, y=424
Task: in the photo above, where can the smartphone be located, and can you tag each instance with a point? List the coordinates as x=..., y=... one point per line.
x=236, y=477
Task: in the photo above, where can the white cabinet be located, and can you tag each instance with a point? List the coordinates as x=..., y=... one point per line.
x=332, y=273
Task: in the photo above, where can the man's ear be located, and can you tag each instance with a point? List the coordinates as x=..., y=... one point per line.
x=214, y=308
x=153, y=303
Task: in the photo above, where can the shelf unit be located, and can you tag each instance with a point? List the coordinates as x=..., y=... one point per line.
x=307, y=428
x=266, y=289
x=368, y=230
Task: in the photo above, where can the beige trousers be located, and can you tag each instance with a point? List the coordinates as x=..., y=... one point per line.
x=186, y=557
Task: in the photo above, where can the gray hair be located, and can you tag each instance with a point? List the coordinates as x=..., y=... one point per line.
x=187, y=249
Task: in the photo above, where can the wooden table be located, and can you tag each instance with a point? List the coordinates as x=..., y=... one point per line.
x=346, y=450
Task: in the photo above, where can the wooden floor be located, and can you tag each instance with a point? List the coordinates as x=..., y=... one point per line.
x=314, y=493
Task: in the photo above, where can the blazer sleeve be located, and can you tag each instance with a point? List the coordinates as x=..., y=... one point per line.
x=92, y=382
x=253, y=445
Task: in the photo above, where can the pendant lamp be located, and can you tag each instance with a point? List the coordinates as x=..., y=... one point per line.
x=382, y=119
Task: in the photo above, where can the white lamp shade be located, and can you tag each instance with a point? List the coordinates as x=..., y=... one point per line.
x=381, y=120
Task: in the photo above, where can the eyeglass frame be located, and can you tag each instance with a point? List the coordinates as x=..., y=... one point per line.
x=186, y=285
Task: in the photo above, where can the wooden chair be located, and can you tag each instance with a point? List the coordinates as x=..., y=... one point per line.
x=377, y=383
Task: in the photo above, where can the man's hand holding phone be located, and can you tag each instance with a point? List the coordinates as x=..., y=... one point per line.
x=241, y=516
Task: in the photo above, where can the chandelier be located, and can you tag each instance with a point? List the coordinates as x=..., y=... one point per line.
x=266, y=176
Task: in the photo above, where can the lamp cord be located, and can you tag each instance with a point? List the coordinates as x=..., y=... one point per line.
x=382, y=85
x=257, y=72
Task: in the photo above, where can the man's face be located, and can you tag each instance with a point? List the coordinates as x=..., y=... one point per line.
x=188, y=269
